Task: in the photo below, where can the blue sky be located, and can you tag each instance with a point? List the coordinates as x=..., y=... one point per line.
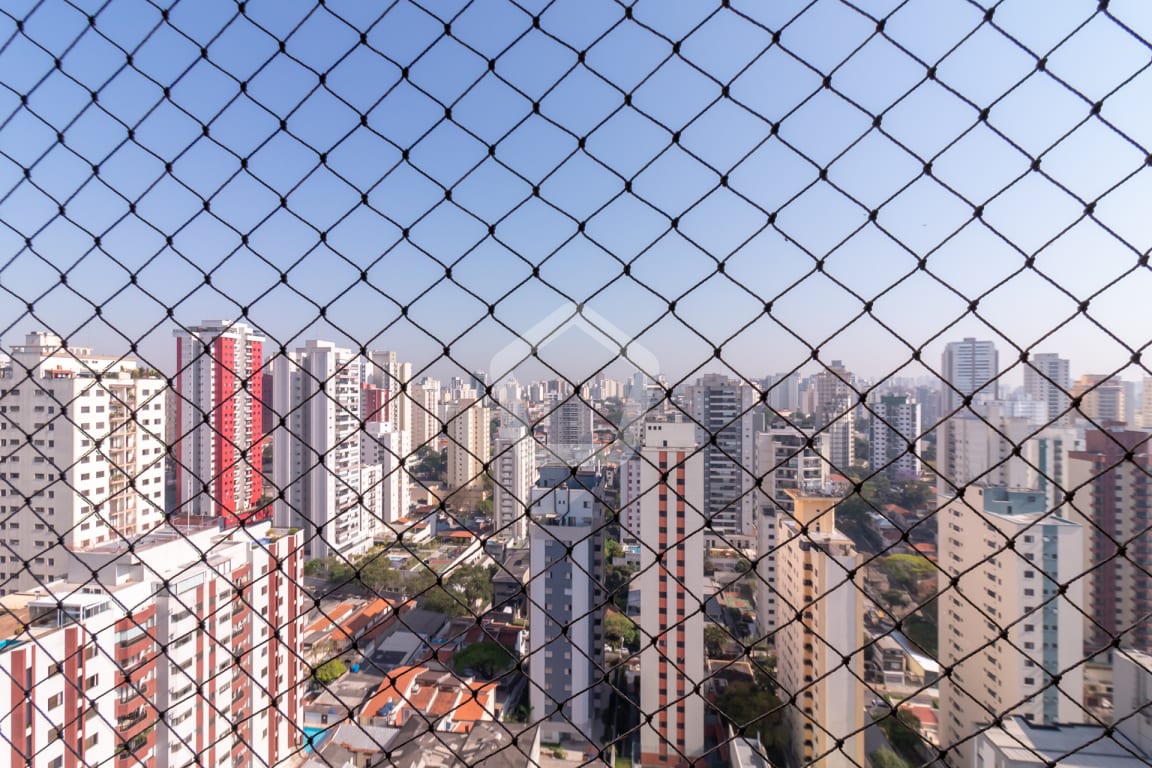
x=370, y=230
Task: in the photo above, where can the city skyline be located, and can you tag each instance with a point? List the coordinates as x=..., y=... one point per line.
x=294, y=295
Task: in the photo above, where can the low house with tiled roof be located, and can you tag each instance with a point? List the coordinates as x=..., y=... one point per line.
x=433, y=694
x=464, y=631
x=356, y=622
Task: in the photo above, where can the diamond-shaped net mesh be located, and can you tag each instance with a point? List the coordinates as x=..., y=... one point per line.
x=575, y=382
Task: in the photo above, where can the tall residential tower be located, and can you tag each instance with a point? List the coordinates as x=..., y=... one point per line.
x=220, y=397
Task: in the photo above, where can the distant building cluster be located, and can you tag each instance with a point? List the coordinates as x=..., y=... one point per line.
x=547, y=552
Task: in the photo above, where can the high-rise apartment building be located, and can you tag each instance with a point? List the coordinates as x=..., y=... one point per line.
x=834, y=413
x=383, y=372
x=513, y=474
x=1103, y=399
x=630, y=493
x=783, y=391
x=1014, y=619
x=1111, y=476
x=81, y=455
x=1050, y=452
x=929, y=399
x=722, y=409
x=787, y=459
x=969, y=368
x=220, y=388
x=671, y=578
x=820, y=613
x=467, y=424
x=1048, y=379
x=426, y=410
x=984, y=449
x=570, y=435
x=317, y=453
x=389, y=448
x=895, y=436
x=566, y=633
x=184, y=649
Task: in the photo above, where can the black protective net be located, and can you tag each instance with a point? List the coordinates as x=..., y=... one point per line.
x=575, y=382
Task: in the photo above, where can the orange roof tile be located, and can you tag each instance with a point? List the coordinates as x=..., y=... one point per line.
x=330, y=618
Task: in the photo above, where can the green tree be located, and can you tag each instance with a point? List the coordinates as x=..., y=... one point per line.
x=754, y=709
x=896, y=597
x=473, y=582
x=329, y=671
x=903, y=732
x=443, y=600
x=486, y=659
x=612, y=550
x=620, y=628
x=715, y=639
x=377, y=573
x=616, y=580
x=915, y=495
x=907, y=571
x=852, y=517
x=921, y=628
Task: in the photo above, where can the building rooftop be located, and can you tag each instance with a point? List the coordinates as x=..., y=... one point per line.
x=487, y=744
x=514, y=567
x=1070, y=746
x=348, y=741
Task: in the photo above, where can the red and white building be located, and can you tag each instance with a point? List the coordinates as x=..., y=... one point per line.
x=671, y=579
x=181, y=650
x=219, y=420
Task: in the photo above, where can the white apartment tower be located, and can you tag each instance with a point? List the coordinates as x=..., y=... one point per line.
x=316, y=454
x=467, y=423
x=513, y=472
x=570, y=435
x=566, y=636
x=835, y=413
x=1034, y=591
x=895, y=439
x=969, y=367
x=671, y=578
x=1047, y=378
x=81, y=455
x=426, y=412
x=786, y=459
x=722, y=408
x=630, y=493
x=971, y=449
x=387, y=447
x=220, y=386
x=820, y=612
x=383, y=371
